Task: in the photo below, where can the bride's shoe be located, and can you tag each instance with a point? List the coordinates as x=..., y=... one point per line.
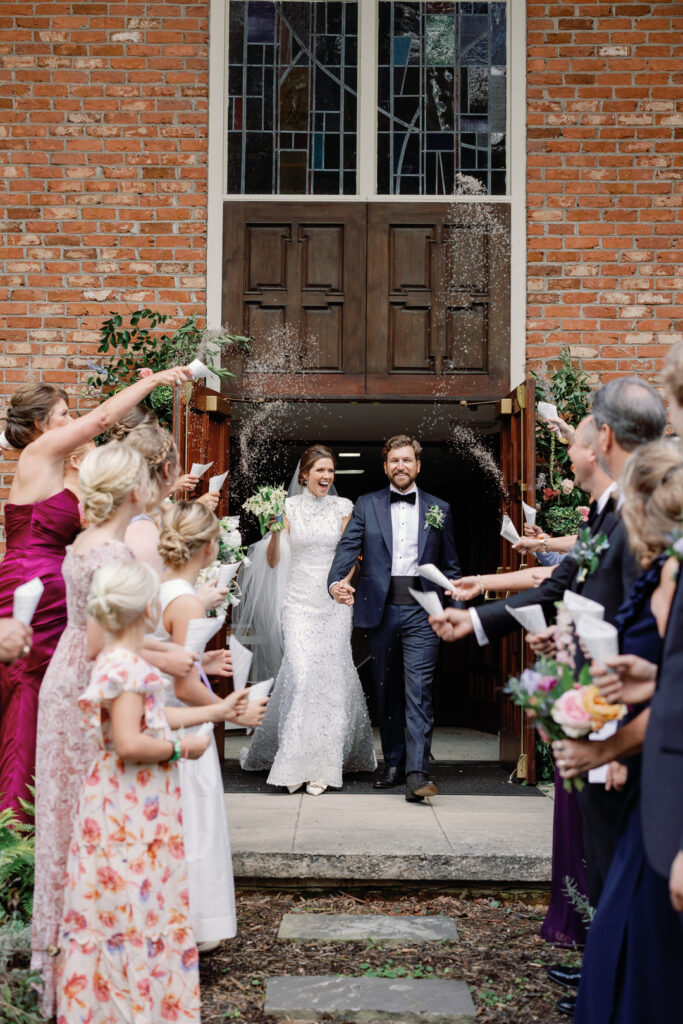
x=316, y=788
x=293, y=789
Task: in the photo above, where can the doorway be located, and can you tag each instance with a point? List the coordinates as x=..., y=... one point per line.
x=267, y=441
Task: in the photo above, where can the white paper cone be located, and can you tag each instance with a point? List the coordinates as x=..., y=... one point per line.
x=227, y=573
x=429, y=601
x=26, y=598
x=241, y=663
x=216, y=482
x=198, y=370
x=198, y=469
x=200, y=631
x=434, y=575
x=531, y=617
x=257, y=690
x=601, y=639
x=529, y=515
x=547, y=411
x=508, y=530
x=577, y=606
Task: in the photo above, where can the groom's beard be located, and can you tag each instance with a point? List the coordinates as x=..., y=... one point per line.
x=402, y=484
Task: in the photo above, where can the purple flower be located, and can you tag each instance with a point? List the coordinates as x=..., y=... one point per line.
x=533, y=681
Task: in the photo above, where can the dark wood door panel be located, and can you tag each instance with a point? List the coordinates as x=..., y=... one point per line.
x=438, y=299
x=294, y=279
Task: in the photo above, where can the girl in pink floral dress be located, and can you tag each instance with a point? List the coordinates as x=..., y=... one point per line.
x=127, y=951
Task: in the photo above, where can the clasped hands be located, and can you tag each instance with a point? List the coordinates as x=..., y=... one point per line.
x=343, y=593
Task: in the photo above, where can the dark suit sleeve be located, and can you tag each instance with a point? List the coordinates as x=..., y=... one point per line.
x=349, y=547
x=450, y=563
x=496, y=622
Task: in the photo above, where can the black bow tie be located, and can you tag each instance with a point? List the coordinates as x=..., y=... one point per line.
x=397, y=496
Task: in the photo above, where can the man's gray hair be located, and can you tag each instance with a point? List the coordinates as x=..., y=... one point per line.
x=633, y=409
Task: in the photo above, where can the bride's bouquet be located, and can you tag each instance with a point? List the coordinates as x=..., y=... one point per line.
x=268, y=505
x=562, y=705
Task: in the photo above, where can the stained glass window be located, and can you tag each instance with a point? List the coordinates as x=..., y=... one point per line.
x=442, y=98
x=292, y=103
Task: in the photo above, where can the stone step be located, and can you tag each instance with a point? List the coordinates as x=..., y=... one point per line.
x=370, y=1000
x=383, y=929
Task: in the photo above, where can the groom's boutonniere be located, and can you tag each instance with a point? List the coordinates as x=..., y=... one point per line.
x=435, y=517
x=587, y=550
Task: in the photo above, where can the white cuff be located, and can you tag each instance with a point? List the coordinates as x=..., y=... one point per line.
x=329, y=589
x=481, y=636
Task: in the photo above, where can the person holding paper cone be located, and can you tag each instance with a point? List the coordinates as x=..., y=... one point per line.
x=188, y=542
x=15, y=640
x=635, y=943
x=41, y=519
x=397, y=529
x=317, y=725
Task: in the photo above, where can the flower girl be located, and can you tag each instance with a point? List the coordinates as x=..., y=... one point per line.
x=127, y=950
x=188, y=542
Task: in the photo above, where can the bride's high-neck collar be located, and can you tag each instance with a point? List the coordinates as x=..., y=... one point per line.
x=307, y=496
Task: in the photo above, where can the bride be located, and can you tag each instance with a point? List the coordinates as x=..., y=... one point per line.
x=316, y=724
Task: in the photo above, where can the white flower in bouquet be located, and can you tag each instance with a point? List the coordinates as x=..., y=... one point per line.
x=268, y=505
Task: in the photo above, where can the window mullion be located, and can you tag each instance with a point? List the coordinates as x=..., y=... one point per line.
x=367, y=100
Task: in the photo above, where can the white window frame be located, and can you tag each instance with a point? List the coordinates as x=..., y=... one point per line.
x=367, y=169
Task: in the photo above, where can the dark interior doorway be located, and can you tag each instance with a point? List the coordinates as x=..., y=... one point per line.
x=463, y=684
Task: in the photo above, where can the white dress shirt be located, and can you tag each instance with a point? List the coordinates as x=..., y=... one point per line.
x=405, y=528
x=479, y=631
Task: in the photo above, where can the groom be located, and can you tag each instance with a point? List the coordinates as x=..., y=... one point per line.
x=397, y=529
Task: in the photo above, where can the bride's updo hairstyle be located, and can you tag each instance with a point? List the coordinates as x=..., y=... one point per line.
x=309, y=459
x=29, y=405
x=138, y=416
x=653, y=498
x=119, y=593
x=186, y=526
x=106, y=477
x=158, y=449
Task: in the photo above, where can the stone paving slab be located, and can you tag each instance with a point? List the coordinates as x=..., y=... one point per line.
x=381, y=837
x=384, y=929
x=370, y=1000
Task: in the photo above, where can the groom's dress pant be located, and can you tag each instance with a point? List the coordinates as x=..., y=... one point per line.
x=404, y=651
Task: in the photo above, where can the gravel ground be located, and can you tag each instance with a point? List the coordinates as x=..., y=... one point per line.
x=499, y=955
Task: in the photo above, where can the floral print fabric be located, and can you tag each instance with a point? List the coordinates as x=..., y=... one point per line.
x=127, y=950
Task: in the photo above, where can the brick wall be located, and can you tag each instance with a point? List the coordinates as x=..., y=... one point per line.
x=103, y=143
x=605, y=183
x=103, y=147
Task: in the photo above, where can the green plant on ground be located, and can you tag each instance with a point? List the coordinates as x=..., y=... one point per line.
x=545, y=766
x=579, y=900
x=17, y=864
x=18, y=997
x=391, y=970
x=557, y=500
x=140, y=342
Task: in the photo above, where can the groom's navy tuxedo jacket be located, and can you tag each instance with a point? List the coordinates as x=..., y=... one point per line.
x=369, y=534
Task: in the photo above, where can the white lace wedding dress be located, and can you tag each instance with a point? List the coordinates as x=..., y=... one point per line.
x=316, y=725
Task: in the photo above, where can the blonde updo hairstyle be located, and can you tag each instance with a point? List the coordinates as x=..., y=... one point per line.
x=158, y=449
x=138, y=416
x=653, y=498
x=119, y=594
x=185, y=527
x=107, y=476
x=31, y=405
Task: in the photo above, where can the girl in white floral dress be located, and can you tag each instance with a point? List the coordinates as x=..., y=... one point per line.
x=126, y=947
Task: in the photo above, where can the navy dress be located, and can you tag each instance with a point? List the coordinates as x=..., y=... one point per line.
x=634, y=950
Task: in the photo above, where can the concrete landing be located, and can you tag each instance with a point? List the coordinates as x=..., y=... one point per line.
x=402, y=1001
x=380, y=929
x=380, y=837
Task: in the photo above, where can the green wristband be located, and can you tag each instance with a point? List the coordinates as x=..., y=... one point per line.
x=175, y=756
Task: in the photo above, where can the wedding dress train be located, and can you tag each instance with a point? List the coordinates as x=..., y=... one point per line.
x=316, y=725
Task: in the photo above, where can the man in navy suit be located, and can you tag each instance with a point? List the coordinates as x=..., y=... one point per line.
x=395, y=530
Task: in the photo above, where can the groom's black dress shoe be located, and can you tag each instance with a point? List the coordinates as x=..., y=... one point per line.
x=392, y=776
x=566, y=1006
x=418, y=786
x=569, y=976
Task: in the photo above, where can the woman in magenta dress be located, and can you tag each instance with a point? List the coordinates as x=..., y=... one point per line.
x=41, y=518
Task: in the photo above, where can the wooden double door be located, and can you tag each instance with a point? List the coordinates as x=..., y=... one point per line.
x=349, y=300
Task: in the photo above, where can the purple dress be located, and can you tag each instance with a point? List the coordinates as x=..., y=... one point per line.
x=37, y=536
